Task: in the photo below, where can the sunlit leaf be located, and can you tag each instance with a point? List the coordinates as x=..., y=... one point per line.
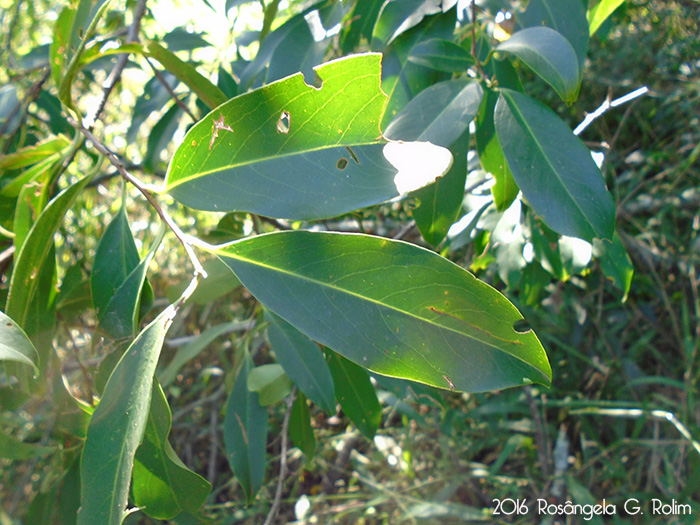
x=392, y=307
x=15, y=345
x=600, y=12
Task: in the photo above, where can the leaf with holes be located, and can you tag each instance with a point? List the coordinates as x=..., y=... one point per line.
x=293, y=151
x=391, y=307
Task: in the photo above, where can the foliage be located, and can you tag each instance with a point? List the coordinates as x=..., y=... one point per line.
x=339, y=182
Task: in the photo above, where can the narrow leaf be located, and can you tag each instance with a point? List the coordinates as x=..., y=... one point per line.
x=300, y=429
x=302, y=360
x=615, y=263
x=504, y=189
x=391, y=307
x=361, y=26
x=269, y=152
x=15, y=450
x=550, y=56
x=245, y=433
x=356, y=394
x=553, y=168
x=15, y=345
x=162, y=485
x=117, y=427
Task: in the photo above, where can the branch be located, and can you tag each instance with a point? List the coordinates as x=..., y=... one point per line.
x=198, y=269
x=607, y=105
x=116, y=73
x=170, y=90
x=283, y=459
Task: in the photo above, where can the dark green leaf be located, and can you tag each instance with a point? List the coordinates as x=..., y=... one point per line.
x=162, y=485
x=303, y=361
x=269, y=153
x=117, y=427
x=154, y=97
x=392, y=307
x=549, y=55
x=442, y=55
x=568, y=17
x=15, y=345
x=161, y=135
x=362, y=20
x=553, y=168
x=396, y=18
x=300, y=429
x=401, y=78
x=355, y=394
x=245, y=433
x=504, y=189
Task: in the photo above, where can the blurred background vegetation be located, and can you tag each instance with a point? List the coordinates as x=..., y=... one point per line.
x=619, y=420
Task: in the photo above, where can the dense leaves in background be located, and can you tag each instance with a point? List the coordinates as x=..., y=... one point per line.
x=342, y=175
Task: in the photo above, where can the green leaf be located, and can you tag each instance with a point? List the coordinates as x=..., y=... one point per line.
x=553, y=168
x=29, y=176
x=356, y=395
x=396, y=18
x=179, y=39
x=245, y=433
x=401, y=78
x=361, y=25
x=31, y=294
x=71, y=22
x=302, y=360
x=9, y=105
x=270, y=382
x=154, y=97
x=442, y=55
x=615, y=263
x=192, y=349
x=600, y=12
x=32, y=154
x=120, y=318
x=300, y=429
x=161, y=135
x=568, y=17
x=550, y=55
x=391, y=307
x=115, y=258
x=162, y=485
x=15, y=450
x=211, y=95
x=269, y=153
x=117, y=427
x=15, y=345
x=440, y=114
x=504, y=189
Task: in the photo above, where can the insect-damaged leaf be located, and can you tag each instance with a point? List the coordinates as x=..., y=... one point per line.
x=391, y=307
x=294, y=151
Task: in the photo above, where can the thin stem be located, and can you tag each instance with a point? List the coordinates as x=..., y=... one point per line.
x=283, y=459
x=170, y=90
x=473, y=51
x=181, y=236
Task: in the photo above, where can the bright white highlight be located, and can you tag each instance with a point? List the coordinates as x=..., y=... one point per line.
x=418, y=163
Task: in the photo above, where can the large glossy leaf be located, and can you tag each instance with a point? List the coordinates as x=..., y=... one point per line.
x=117, y=427
x=356, y=395
x=15, y=345
x=303, y=361
x=566, y=16
x=162, y=485
x=245, y=433
x=396, y=18
x=549, y=55
x=504, y=189
x=293, y=151
x=553, y=168
x=392, y=307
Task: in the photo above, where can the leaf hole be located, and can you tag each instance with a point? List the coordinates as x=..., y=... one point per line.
x=284, y=122
x=342, y=163
x=522, y=326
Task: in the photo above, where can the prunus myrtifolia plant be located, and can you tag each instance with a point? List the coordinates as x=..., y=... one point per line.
x=346, y=106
